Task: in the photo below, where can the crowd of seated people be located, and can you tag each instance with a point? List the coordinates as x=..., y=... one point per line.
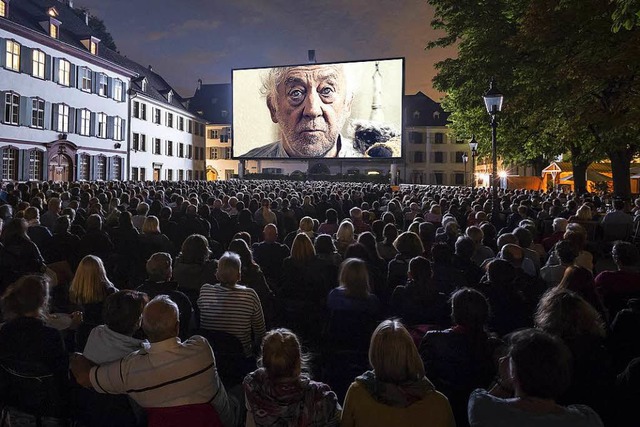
x=312, y=303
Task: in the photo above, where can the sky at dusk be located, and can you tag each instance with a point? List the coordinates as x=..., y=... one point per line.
x=185, y=40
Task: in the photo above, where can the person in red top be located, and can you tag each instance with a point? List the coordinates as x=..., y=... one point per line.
x=617, y=287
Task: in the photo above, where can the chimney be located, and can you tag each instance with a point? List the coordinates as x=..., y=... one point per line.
x=199, y=84
x=70, y=3
x=150, y=68
x=311, y=54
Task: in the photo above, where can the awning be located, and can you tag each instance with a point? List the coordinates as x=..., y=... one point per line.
x=591, y=176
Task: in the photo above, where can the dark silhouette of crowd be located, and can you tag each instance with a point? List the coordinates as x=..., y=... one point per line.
x=282, y=303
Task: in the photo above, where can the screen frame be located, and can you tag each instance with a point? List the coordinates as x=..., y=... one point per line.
x=298, y=159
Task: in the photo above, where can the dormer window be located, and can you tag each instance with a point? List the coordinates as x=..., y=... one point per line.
x=53, y=12
x=436, y=115
x=54, y=28
x=144, y=84
x=4, y=9
x=170, y=96
x=91, y=43
x=416, y=114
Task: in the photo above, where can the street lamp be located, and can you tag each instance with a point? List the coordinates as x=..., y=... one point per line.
x=473, y=145
x=493, y=102
x=465, y=159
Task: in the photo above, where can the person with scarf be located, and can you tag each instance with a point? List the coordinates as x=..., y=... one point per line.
x=396, y=392
x=279, y=394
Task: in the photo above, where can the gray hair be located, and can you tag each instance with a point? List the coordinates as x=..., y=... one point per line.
x=274, y=76
x=229, y=266
x=164, y=322
x=560, y=224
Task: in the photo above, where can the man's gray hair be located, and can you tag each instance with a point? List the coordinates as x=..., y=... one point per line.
x=560, y=224
x=229, y=265
x=274, y=76
x=165, y=323
x=158, y=266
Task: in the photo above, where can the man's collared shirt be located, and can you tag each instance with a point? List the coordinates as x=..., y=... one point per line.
x=277, y=150
x=166, y=374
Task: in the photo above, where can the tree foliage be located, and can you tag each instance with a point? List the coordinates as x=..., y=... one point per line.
x=98, y=27
x=626, y=14
x=570, y=83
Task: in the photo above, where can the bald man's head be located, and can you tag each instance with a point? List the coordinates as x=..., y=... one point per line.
x=513, y=254
x=160, y=319
x=270, y=233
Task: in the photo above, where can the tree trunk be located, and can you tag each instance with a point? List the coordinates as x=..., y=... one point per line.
x=579, y=176
x=620, y=167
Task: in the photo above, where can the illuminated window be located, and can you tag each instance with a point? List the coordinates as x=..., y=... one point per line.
x=83, y=167
x=84, y=124
x=3, y=9
x=85, y=82
x=62, y=118
x=214, y=134
x=64, y=72
x=93, y=48
x=117, y=128
x=102, y=125
x=37, y=113
x=102, y=85
x=9, y=163
x=53, y=31
x=118, y=90
x=11, y=108
x=101, y=168
x=13, y=55
x=52, y=12
x=35, y=164
x=38, y=59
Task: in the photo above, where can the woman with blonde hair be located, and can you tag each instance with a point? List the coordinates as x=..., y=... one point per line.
x=89, y=289
x=152, y=240
x=409, y=246
x=279, y=393
x=396, y=391
x=344, y=236
x=353, y=293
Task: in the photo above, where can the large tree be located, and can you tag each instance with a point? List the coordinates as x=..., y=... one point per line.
x=570, y=83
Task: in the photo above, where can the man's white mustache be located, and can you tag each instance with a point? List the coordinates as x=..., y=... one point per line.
x=312, y=126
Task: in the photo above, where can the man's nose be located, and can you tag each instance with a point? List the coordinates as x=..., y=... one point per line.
x=313, y=105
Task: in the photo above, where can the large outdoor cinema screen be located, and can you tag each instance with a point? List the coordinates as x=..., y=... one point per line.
x=348, y=110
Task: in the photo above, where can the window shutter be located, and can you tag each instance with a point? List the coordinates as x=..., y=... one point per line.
x=2, y=102
x=54, y=116
x=94, y=81
x=78, y=116
x=92, y=124
x=72, y=119
x=47, y=67
x=26, y=59
x=77, y=167
x=110, y=127
x=93, y=175
x=109, y=162
x=110, y=87
x=47, y=115
x=23, y=165
x=25, y=111
x=3, y=53
x=73, y=76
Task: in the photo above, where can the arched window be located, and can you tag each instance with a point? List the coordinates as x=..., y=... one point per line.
x=10, y=163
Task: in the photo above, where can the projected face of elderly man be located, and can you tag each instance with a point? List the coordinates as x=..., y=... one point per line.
x=310, y=104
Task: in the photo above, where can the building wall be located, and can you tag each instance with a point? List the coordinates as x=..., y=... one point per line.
x=220, y=166
x=24, y=136
x=148, y=163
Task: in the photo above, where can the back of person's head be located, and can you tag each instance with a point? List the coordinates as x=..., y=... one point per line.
x=324, y=244
x=229, y=266
x=243, y=235
x=142, y=208
x=302, y=249
x=393, y=355
x=390, y=233
x=475, y=233
x=618, y=204
x=122, y=311
x=506, y=238
x=159, y=267
x=560, y=224
x=540, y=363
x=501, y=272
x=306, y=224
x=576, y=238
x=566, y=252
x=332, y=216
x=345, y=232
x=241, y=248
x=195, y=250
x=61, y=225
x=90, y=283
x=354, y=278
x=94, y=223
x=567, y=315
x=29, y=294
x=355, y=213
x=524, y=237
x=465, y=247
x=441, y=253
x=575, y=277
x=151, y=225
x=160, y=319
x=270, y=233
x=625, y=254
x=125, y=220
x=282, y=355
x=409, y=244
x=513, y=254
x=469, y=308
x=420, y=270
x=31, y=213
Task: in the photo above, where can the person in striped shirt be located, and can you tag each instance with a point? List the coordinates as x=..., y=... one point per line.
x=230, y=307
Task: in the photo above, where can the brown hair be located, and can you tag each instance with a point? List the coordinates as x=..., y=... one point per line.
x=567, y=315
x=28, y=294
x=354, y=278
x=282, y=355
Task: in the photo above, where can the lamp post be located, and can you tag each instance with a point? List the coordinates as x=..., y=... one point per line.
x=473, y=145
x=493, y=102
x=465, y=159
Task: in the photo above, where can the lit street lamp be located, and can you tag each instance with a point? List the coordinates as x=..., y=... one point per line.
x=473, y=145
x=465, y=159
x=493, y=102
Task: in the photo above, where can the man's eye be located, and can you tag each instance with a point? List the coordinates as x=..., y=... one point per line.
x=296, y=94
x=326, y=91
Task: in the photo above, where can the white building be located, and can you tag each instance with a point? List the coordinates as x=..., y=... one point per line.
x=63, y=97
x=166, y=139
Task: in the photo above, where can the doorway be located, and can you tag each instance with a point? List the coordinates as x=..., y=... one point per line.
x=156, y=174
x=60, y=168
